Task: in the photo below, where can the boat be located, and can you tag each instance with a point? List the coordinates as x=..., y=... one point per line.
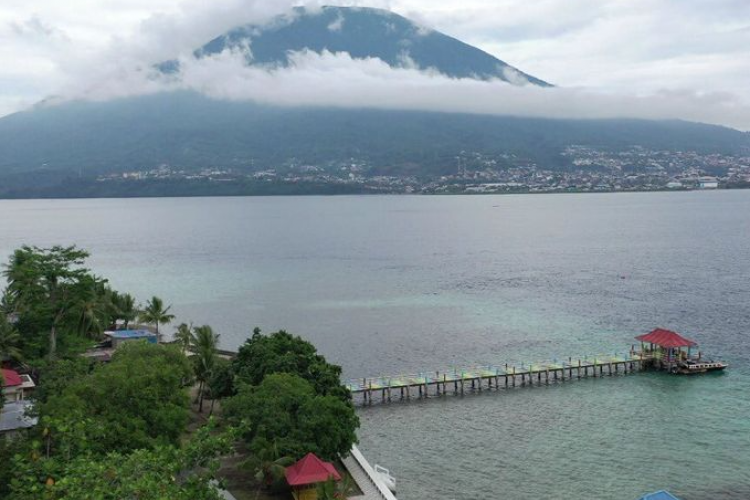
x=387, y=478
x=692, y=366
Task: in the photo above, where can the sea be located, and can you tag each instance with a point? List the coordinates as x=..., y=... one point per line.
x=386, y=285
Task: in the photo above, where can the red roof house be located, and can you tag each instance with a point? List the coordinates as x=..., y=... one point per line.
x=666, y=338
x=310, y=470
x=11, y=378
x=15, y=386
x=305, y=475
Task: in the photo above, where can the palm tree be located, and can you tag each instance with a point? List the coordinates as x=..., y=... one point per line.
x=125, y=306
x=205, y=349
x=10, y=341
x=156, y=314
x=267, y=465
x=184, y=336
x=336, y=490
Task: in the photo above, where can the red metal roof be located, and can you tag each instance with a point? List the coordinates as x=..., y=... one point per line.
x=666, y=338
x=310, y=470
x=11, y=378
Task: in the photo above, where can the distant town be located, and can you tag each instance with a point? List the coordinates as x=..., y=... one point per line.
x=591, y=170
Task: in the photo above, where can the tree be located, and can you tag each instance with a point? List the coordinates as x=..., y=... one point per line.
x=282, y=352
x=45, y=284
x=10, y=341
x=184, y=336
x=156, y=314
x=138, y=400
x=90, y=313
x=221, y=382
x=163, y=472
x=204, y=348
x=285, y=410
x=268, y=465
x=336, y=490
x=124, y=308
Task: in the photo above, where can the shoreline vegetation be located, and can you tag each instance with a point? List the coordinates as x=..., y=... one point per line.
x=227, y=191
x=159, y=420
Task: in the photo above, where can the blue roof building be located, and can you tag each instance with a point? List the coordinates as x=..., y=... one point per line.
x=120, y=336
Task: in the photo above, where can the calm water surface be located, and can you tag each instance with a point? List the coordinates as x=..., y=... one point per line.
x=406, y=284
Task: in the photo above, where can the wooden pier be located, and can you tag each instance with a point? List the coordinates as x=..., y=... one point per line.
x=477, y=379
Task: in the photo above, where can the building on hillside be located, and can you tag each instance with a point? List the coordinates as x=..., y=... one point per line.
x=708, y=183
x=304, y=476
x=14, y=418
x=15, y=386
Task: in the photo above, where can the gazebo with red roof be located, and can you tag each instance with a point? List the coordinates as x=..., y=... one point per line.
x=667, y=345
x=305, y=475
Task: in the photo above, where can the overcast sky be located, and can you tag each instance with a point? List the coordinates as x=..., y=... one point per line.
x=690, y=55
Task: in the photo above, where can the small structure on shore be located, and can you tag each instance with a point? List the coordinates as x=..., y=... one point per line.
x=15, y=418
x=304, y=476
x=16, y=387
x=665, y=350
x=120, y=336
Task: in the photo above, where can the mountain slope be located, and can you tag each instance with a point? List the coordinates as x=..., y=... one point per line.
x=188, y=130
x=364, y=32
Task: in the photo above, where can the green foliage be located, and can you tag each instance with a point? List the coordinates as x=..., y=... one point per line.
x=285, y=410
x=137, y=401
x=155, y=313
x=10, y=341
x=267, y=464
x=160, y=473
x=221, y=382
x=184, y=336
x=56, y=375
x=336, y=490
x=56, y=303
x=204, y=348
x=282, y=352
x=123, y=308
x=44, y=285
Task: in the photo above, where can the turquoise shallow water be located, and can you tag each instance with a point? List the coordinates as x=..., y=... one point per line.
x=403, y=284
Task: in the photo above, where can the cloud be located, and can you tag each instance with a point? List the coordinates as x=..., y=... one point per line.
x=641, y=59
x=338, y=80
x=336, y=24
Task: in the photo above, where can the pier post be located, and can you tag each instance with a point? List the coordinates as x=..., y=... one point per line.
x=579, y=369
x=462, y=384
x=408, y=391
x=455, y=387
x=546, y=378
x=610, y=369
x=506, y=380
x=479, y=383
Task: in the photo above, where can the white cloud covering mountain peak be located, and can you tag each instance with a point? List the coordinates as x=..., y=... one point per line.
x=122, y=65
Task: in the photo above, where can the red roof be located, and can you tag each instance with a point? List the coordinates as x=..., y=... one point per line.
x=666, y=338
x=11, y=378
x=310, y=470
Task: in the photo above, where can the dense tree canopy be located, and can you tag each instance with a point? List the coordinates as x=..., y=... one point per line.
x=161, y=473
x=56, y=304
x=137, y=401
x=285, y=410
x=282, y=352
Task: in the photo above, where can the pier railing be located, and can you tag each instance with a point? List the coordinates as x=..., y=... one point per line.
x=476, y=377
